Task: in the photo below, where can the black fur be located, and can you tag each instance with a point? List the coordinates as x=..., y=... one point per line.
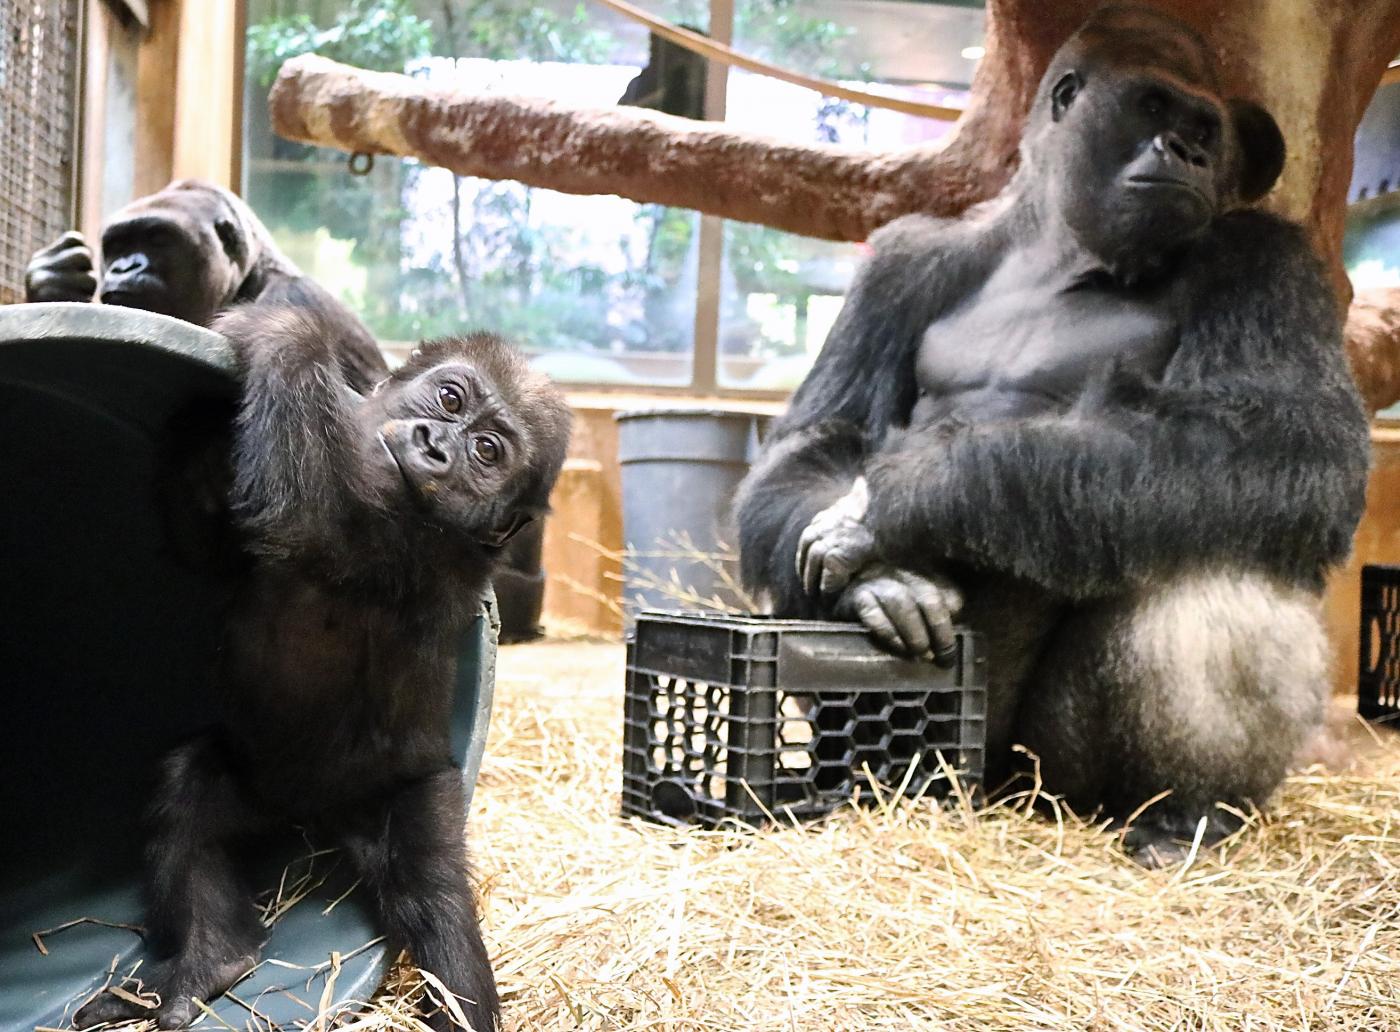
x=373, y=522
x=1062, y=514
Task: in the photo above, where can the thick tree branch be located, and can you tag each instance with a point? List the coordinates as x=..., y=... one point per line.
x=833, y=192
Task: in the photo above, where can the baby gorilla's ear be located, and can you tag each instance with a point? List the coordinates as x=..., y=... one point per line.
x=499, y=535
x=1261, y=149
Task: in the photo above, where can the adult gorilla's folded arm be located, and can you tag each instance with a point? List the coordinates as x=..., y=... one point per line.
x=1250, y=453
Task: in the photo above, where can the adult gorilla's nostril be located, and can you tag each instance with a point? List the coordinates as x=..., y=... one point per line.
x=1169, y=144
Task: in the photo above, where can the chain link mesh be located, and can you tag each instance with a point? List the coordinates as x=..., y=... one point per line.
x=38, y=75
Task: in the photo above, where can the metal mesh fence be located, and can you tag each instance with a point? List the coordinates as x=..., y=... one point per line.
x=38, y=77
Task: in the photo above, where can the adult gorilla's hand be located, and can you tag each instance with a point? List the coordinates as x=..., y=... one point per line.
x=906, y=613
x=63, y=271
x=836, y=545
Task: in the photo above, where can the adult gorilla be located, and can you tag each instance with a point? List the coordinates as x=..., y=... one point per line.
x=1112, y=408
x=192, y=251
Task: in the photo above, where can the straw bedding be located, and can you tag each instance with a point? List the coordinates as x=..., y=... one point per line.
x=908, y=915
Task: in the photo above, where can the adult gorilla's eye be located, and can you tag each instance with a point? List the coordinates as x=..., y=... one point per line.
x=1063, y=93
x=1154, y=102
x=1205, y=133
x=486, y=448
x=450, y=398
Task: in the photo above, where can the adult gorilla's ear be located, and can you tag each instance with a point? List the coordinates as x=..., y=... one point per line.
x=499, y=536
x=232, y=240
x=1261, y=149
x=1062, y=94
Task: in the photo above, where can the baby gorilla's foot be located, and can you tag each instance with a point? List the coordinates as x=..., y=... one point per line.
x=170, y=998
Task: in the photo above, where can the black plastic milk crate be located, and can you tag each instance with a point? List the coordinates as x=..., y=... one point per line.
x=1378, y=687
x=743, y=717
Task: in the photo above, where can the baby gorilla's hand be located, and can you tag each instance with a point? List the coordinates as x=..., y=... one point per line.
x=836, y=545
x=906, y=613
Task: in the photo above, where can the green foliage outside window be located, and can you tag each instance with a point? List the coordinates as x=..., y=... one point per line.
x=501, y=271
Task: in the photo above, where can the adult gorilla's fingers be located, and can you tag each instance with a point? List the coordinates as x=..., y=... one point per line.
x=70, y=239
x=837, y=571
x=870, y=613
x=933, y=605
x=812, y=567
x=902, y=607
x=804, y=545
x=71, y=259
x=64, y=286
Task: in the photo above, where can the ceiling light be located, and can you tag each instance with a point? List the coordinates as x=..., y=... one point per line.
x=974, y=53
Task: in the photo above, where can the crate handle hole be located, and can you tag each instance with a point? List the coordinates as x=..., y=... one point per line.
x=671, y=799
x=1375, y=641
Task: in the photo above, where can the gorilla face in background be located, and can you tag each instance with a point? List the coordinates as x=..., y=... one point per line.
x=192, y=251
x=188, y=251
x=185, y=252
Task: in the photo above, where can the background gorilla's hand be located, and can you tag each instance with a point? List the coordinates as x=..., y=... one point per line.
x=906, y=613
x=63, y=271
x=836, y=545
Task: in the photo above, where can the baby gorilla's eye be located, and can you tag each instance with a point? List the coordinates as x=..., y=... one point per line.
x=450, y=398
x=486, y=448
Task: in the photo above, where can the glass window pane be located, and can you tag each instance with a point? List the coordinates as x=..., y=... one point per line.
x=779, y=292
x=598, y=289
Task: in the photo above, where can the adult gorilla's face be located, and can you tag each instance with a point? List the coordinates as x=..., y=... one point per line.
x=1131, y=145
x=1138, y=162
x=180, y=252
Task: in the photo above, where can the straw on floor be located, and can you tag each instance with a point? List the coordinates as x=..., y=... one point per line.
x=908, y=915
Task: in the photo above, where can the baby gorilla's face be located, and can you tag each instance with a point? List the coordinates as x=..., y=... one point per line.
x=445, y=444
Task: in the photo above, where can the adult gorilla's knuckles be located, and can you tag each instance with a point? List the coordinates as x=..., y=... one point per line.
x=1093, y=388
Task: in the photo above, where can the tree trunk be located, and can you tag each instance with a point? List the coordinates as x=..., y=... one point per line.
x=1313, y=63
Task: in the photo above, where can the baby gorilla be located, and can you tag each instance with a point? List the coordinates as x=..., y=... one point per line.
x=373, y=522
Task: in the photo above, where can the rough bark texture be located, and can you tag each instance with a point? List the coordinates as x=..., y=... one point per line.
x=833, y=192
x=1313, y=63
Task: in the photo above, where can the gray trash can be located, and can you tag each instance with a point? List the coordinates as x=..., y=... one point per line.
x=106, y=638
x=680, y=468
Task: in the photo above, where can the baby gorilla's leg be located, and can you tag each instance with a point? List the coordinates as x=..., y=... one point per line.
x=201, y=913
x=1202, y=688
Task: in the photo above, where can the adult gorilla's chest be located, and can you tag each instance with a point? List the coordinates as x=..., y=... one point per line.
x=1030, y=341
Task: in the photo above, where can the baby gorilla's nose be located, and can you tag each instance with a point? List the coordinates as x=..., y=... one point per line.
x=431, y=447
x=425, y=449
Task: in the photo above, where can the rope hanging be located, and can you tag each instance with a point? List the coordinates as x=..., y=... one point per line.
x=715, y=51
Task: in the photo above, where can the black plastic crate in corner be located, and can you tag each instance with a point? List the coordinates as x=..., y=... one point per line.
x=751, y=717
x=1378, y=687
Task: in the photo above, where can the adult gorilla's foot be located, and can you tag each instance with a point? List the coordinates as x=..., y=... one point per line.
x=1156, y=842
